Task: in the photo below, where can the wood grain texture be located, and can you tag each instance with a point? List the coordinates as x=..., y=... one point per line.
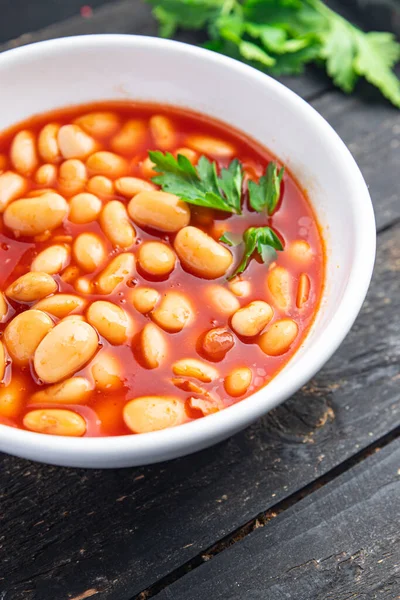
x=19, y=15
x=341, y=543
x=65, y=531
x=371, y=130
x=73, y=534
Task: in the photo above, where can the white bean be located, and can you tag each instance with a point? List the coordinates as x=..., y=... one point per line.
x=300, y=252
x=159, y=210
x=48, y=144
x=144, y=299
x=55, y=421
x=4, y=308
x=24, y=334
x=65, y=350
x=280, y=285
x=221, y=300
x=206, y=406
x=88, y=251
x=34, y=216
x=107, y=164
x=303, y=290
x=156, y=258
x=74, y=142
x=152, y=413
x=251, y=319
x=238, y=381
x=106, y=372
x=163, y=132
x=153, y=346
x=192, y=367
x=61, y=305
x=174, y=312
x=46, y=175
x=279, y=337
x=240, y=287
x=52, y=260
x=130, y=186
x=83, y=285
x=116, y=273
x=12, y=397
x=115, y=223
x=23, y=152
x=31, y=287
x=201, y=254
x=84, y=208
x=208, y=145
x=99, y=123
x=101, y=186
x=70, y=274
x=74, y=390
x=111, y=321
x=72, y=177
x=12, y=186
x=130, y=137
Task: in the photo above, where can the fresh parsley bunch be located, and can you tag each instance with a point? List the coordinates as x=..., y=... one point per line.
x=282, y=36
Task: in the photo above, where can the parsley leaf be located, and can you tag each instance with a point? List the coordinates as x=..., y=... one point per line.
x=339, y=51
x=199, y=185
x=265, y=194
x=232, y=239
x=351, y=53
x=190, y=14
x=282, y=36
x=376, y=54
x=230, y=182
x=262, y=240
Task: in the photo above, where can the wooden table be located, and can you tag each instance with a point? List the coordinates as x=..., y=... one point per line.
x=303, y=505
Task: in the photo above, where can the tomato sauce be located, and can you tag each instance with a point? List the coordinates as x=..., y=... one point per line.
x=294, y=220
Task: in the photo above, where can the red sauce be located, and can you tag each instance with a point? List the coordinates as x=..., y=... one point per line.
x=293, y=220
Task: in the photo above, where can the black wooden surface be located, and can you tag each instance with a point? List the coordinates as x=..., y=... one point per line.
x=75, y=534
x=341, y=542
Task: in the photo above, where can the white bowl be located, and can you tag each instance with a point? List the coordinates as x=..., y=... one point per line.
x=76, y=70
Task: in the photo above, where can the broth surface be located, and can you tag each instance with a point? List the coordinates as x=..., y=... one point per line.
x=102, y=410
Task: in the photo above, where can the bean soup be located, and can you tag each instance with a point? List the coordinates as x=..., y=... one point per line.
x=157, y=266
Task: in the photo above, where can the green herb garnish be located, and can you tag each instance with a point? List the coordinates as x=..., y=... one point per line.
x=282, y=36
x=200, y=185
x=264, y=195
x=262, y=240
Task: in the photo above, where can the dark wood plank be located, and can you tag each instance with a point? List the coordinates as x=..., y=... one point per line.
x=381, y=15
x=371, y=130
x=65, y=531
x=134, y=16
x=343, y=542
x=20, y=16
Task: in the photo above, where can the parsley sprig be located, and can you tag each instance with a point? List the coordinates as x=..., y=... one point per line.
x=264, y=195
x=200, y=185
x=262, y=240
x=203, y=186
x=282, y=36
